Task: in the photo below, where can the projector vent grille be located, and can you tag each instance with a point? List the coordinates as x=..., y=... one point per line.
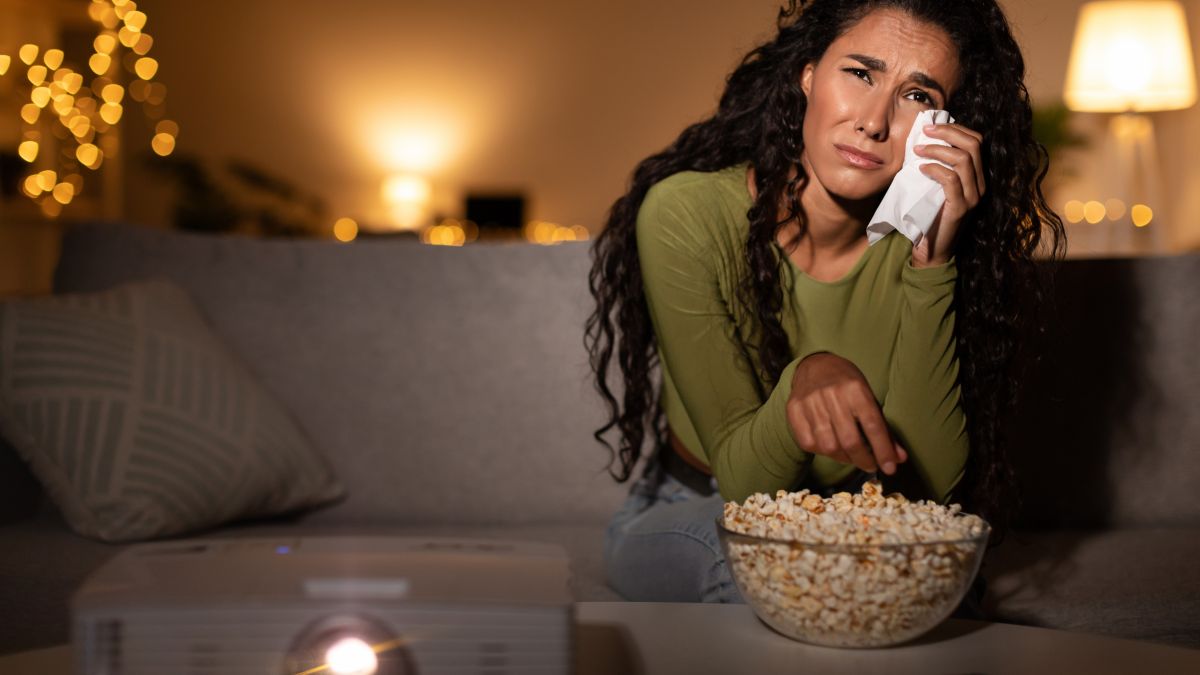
x=105, y=645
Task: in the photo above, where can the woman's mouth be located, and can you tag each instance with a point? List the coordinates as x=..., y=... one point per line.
x=858, y=158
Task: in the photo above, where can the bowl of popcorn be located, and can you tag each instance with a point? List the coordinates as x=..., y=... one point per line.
x=862, y=570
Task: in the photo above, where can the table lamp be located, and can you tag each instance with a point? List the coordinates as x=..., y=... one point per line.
x=1131, y=58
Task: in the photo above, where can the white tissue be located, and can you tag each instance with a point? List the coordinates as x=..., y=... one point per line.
x=913, y=200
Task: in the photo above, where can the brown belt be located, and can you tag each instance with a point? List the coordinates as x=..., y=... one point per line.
x=681, y=465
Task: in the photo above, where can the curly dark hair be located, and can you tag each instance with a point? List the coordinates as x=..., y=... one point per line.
x=759, y=120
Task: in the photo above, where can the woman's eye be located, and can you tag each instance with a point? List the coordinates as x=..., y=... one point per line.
x=860, y=73
x=922, y=97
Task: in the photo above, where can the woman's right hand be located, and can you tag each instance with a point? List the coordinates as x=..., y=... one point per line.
x=830, y=402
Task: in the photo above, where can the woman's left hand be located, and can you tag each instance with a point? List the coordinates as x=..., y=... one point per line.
x=963, y=184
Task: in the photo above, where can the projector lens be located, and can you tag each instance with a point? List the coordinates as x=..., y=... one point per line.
x=348, y=644
x=351, y=656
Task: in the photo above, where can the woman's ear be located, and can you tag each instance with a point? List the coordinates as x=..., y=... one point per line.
x=806, y=76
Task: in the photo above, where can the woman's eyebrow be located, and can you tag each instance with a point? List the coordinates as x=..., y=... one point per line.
x=919, y=77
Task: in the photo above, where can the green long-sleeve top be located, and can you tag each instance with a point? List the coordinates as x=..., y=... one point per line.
x=892, y=320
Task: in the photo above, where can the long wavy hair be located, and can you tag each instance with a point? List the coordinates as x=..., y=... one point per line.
x=759, y=120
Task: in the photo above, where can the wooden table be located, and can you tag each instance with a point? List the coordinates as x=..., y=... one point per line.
x=643, y=638
x=663, y=638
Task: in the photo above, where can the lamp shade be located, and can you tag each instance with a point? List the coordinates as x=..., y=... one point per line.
x=1131, y=56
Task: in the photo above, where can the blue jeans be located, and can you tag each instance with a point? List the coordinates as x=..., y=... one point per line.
x=661, y=546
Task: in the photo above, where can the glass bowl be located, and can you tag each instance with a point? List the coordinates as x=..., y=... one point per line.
x=852, y=595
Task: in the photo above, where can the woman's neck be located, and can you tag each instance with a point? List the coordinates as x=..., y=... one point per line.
x=835, y=227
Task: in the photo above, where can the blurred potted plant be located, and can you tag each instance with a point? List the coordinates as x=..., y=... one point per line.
x=1052, y=128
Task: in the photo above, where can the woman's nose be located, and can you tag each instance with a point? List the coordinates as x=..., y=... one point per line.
x=874, y=118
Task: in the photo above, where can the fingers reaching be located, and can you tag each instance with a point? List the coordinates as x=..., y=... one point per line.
x=875, y=429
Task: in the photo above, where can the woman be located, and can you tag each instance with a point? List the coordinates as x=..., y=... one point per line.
x=790, y=353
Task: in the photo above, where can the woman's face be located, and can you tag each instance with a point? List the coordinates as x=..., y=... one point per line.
x=863, y=96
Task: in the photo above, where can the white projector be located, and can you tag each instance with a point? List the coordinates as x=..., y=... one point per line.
x=327, y=605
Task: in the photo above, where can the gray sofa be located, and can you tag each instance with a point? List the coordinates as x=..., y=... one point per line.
x=450, y=390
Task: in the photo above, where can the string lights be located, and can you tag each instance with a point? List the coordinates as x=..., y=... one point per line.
x=1093, y=212
x=81, y=114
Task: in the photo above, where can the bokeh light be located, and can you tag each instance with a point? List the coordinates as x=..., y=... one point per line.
x=47, y=179
x=1141, y=215
x=111, y=112
x=30, y=113
x=53, y=58
x=87, y=154
x=73, y=82
x=156, y=93
x=32, y=185
x=146, y=67
x=143, y=45
x=100, y=63
x=546, y=233
x=112, y=93
x=36, y=74
x=138, y=89
x=63, y=104
x=80, y=125
x=135, y=20
x=345, y=229
x=446, y=234
x=28, y=53
x=105, y=43
x=1114, y=208
x=28, y=150
x=1093, y=211
x=64, y=193
x=163, y=144
x=88, y=104
x=127, y=36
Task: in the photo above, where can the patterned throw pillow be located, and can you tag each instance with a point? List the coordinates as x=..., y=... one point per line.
x=140, y=423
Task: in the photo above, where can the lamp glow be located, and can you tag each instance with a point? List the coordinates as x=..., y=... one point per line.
x=412, y=151
x=406, y=189
x=351, y=656
x=1131, y=56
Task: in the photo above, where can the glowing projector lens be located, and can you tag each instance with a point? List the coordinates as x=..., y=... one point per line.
x=351, y=656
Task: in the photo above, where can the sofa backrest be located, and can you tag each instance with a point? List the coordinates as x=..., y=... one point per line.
x=1109, y=433
x=451, y=385
x=446, y=385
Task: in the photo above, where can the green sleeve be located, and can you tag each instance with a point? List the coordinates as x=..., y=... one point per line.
x=923, y=405
x=748, y=442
